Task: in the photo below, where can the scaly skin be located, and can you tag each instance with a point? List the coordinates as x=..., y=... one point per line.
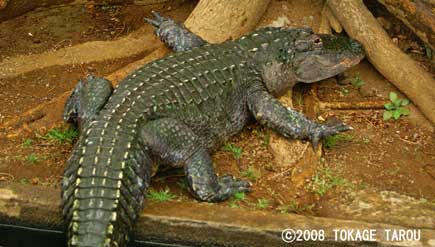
x=179, y=109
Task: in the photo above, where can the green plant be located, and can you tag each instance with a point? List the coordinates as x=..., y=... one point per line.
x=357, y=82
x=24, y=181
x=294, y=207
x=251, y=173
x=323, y=180
x=266, y=140
x=160, y=196
x=61, y=135
x=395, y=108
x=234, y=204
x=345, y=91
x=27, y=143
x=262, y=203
x=239, y=196
x=32, y=158
x=331, y=141
x=235, y=150
x=366, y=140
x=300, y=100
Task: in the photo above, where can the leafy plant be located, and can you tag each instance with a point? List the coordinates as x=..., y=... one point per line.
x=27, y=143
x=358, y=82
x=61, y=135
x=266, y=140
x=24, y=181
x=251, y=173
x=160, y=196
x=345, y=91
x=262, y=203
x=234, y=204
x=239, y=196
x=32, y=158
x=366, y=140
x=323, y=180
x=395, y=108
x=235, y=150
x=331, y=141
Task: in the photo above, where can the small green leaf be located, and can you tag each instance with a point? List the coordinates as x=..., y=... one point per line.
x=397, y=103
x=387, y=115
x=404, y=111
x=393, y=97
x=405, y=102
x=389, y=106
x=396, y=114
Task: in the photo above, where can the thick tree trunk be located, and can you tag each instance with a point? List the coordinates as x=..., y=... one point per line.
x=388, y=59
x=418, y=15
x=217, y=21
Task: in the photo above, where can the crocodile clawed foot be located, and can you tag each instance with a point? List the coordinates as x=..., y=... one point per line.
x=321, y=131
x=235, y=185
x=157, y=21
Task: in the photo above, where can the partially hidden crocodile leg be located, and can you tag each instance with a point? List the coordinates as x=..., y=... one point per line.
x=270, y=112
x=177, y=145
x=86, y=100
x=174, y=35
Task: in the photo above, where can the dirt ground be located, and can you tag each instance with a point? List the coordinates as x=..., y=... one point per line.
x=378, y=155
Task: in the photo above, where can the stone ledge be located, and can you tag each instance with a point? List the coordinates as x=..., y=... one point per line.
x=193, y=223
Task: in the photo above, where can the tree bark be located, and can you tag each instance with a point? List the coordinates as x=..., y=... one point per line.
x=217, y=21
x=388, y=59
x=418, y=15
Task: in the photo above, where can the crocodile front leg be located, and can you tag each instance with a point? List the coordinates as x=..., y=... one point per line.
x=174, y=35
x=86, y=100
x=173, y=142
x=289, y=123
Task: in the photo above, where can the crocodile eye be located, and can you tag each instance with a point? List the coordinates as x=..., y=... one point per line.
x=317, y=41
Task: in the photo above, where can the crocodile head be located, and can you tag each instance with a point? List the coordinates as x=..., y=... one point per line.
x=307, y=57
x=320, y=56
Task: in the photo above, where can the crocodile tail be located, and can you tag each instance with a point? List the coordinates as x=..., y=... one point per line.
x=101, y=201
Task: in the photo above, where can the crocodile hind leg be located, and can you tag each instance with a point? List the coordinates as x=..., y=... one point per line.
x=176, y=144
x=86, y=100
x=174, y=35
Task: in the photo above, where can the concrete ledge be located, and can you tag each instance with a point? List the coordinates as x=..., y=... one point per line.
x=195, y=224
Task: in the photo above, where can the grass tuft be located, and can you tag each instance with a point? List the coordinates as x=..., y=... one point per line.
x=160, y=196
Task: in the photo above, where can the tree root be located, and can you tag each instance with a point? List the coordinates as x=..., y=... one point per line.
x=366, y=105
x=386, y=57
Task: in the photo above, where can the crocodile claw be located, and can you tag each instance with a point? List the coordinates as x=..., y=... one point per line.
x=157, y=21
x=235, y=185
x=321, y=131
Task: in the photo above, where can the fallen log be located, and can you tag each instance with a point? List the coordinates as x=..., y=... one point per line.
x=417, y=15
x=387, y=58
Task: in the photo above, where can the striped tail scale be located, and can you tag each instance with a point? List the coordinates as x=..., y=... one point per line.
x=102, y=193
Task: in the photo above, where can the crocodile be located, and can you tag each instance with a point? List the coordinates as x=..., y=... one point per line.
x=179, y=109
